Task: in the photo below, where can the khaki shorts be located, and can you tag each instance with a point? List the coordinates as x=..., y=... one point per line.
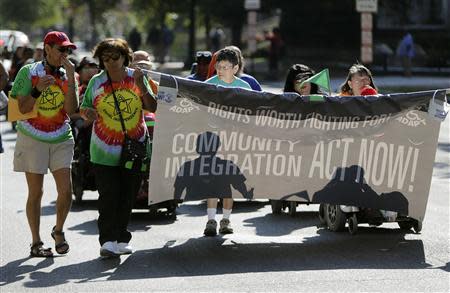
x=34, y=156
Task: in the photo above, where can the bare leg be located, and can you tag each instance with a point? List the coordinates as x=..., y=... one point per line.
x=227, y=203
x=211, y=203
x=33, y=208
x=64, y=200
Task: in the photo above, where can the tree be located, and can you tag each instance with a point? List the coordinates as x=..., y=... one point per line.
x=229, y=14
x=25, y=14
x=95, y=10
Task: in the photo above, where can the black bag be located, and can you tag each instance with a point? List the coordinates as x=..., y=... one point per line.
x=134, y=155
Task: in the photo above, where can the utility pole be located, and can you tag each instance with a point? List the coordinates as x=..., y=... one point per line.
x=366, y=8
x=251, y=6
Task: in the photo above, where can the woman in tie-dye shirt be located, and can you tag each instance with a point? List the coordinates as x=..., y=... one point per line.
x=45, y=141
x=117, y=186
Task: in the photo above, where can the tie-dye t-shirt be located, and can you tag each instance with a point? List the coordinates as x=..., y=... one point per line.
x=52, y=122
x=107, y=135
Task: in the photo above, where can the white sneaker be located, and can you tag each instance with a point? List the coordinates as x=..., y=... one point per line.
x=124, y=248
x=109, y=249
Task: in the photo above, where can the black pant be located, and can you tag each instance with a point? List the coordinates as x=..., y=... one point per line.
x=117, y=188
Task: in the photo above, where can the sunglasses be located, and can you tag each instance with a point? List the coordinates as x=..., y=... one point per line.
x=114, y=57
x=65, y=50
x=204, y=54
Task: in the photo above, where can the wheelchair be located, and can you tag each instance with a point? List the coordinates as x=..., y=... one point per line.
x=83, y=176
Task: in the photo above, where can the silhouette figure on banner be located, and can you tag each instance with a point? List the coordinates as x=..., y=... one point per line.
x=353, y=190
x=208, y=175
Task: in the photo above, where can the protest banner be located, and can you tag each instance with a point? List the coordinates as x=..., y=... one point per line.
x=368, y=151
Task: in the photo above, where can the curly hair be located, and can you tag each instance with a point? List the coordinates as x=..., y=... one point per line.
x=113, y=44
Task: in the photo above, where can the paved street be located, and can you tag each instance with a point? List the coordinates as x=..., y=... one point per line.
x=266, y=253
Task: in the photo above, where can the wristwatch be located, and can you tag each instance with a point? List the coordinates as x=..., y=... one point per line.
x=35, y=93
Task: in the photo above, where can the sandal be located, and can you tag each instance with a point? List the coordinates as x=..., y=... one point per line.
x=61, y=247
x=38, y=250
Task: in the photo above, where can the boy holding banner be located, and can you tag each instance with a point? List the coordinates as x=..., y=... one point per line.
x=227, y=67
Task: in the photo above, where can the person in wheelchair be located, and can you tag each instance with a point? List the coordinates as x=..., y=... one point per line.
x=82, y=173
x=87, y=68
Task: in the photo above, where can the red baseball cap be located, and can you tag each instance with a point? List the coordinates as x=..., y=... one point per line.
x=58, y=38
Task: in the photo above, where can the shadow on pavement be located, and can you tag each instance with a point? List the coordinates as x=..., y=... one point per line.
x=198, y=208
x=15, y=271
x=217, y=256
x=444, y=147
x=84, y=205
x=379, y=249
x=85, y=228
x=88, y=271
x=278, y=225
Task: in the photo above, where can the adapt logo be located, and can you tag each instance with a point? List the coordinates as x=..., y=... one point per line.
x=185, y=106
x=411, y=119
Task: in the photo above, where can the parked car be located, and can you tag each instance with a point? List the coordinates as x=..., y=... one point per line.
x=11, y=39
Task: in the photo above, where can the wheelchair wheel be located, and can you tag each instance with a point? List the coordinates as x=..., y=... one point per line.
x=352, y=224
x=292, y=208
x=322, y=211
x=277, y=206
x=335, y=218
x=78, y=193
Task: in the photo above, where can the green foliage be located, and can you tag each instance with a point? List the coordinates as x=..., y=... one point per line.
x=22, y=14
x=320, y=23
x=228, y=13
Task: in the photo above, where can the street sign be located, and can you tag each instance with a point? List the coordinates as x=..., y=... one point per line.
x=367, y=6
x=252, y=4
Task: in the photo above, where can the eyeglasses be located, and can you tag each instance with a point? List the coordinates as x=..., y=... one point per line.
x=114, y=57
x=225, y=67
x=65, y=50
x=361, y=80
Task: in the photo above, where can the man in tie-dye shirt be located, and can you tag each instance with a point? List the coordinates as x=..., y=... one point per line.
x=45, y=141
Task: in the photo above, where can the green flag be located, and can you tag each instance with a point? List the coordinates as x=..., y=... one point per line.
x=316, y=98
x=322, y=79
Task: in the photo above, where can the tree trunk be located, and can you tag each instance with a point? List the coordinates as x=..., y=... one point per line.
x=191, y=46
x=93, y=22
x=207, y=30
x=236, y=32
